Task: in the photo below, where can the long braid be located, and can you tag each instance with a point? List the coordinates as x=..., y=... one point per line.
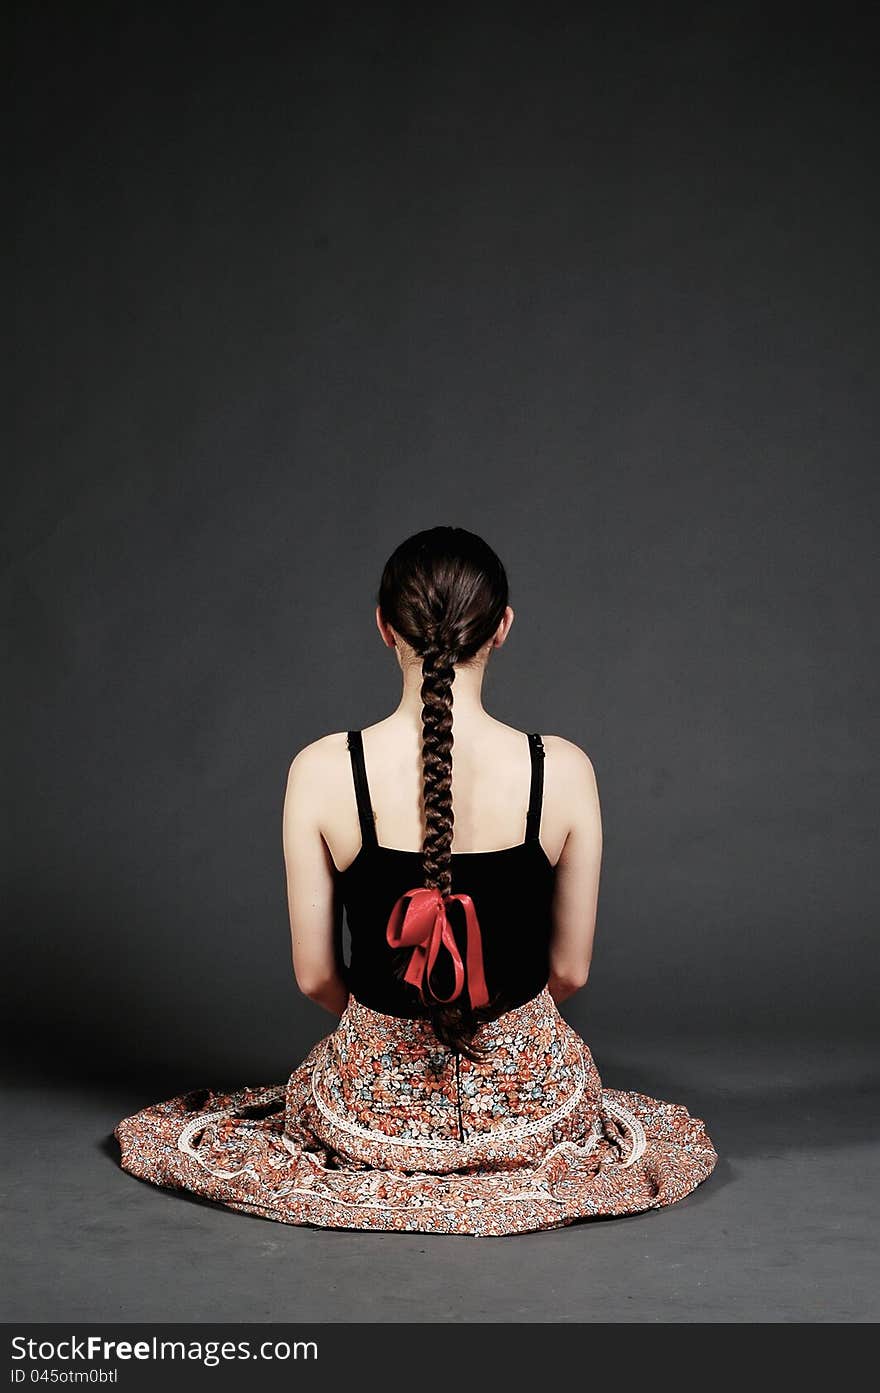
x=445, y=591
x=438, y=672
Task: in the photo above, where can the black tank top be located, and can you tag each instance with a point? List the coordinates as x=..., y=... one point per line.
x=512, y=891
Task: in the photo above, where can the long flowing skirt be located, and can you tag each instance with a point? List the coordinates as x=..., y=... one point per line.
x=383, y=1127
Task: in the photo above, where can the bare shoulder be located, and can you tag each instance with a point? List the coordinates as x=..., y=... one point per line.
x=573, y=795
x=312, y=782
x=571, y=766
x=320, y=761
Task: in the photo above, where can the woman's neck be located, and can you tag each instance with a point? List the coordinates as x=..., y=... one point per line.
x=467, y=699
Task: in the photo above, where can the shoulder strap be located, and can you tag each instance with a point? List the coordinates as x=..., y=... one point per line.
x=536, y=791
x=362, y=788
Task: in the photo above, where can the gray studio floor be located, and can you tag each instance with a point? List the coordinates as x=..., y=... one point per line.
x=785, y=1230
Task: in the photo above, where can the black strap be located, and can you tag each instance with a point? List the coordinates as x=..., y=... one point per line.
x=536, y=791
x=362, y=788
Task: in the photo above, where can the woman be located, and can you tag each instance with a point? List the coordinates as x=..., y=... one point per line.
x=451, y=1097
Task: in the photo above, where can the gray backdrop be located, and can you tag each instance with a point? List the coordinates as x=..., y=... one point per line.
x=595, y=284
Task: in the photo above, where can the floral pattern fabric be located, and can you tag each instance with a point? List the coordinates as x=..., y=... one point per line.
x=383, y=1127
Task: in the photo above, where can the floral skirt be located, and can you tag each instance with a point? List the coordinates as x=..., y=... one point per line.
x=383, y=1127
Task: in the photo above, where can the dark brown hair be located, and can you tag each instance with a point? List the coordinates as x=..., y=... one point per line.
x=444, y=591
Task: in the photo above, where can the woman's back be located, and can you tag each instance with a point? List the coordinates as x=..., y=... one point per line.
x=511, y=885
x=491, y=777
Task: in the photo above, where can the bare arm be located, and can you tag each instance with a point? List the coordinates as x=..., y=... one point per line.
x=311, y=888
x=576, y=892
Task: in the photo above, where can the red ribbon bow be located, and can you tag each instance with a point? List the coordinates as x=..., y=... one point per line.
x=423, y=925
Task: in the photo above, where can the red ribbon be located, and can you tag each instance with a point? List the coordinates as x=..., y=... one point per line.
x=423, y=925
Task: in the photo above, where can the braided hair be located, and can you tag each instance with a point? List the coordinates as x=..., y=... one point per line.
x=444, y=591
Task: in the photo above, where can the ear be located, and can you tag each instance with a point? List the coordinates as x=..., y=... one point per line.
x=503, y=628
x=388, y=637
